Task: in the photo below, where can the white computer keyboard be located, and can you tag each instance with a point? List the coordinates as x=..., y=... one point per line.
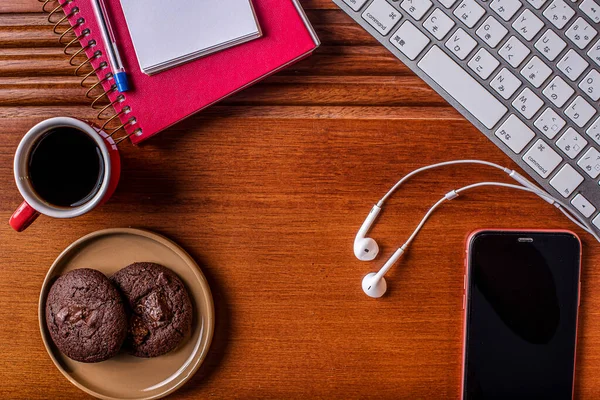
x=526, y=73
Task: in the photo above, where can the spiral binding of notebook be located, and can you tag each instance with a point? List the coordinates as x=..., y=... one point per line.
x=96, y=92
x=155, y=103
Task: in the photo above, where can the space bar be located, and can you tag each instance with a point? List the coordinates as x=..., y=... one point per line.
x=462, y=87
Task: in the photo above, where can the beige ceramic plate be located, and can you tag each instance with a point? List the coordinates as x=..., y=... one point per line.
x=125, y=376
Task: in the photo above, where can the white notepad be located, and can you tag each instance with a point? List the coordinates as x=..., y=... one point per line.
x=166, y=34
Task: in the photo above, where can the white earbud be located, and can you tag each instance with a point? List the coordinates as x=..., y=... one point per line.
x=374, y=287
x=374, y=284
x=366, y=249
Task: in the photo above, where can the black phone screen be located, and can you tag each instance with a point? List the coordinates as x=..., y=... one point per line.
x=522, y=304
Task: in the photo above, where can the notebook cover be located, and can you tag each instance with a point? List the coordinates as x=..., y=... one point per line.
x=159, y=101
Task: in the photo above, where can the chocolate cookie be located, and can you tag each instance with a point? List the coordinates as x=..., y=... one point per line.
x=159, y=307
x=86, y=316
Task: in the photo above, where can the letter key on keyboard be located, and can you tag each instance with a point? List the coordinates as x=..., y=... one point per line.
x=460, y=85
x=381, y=16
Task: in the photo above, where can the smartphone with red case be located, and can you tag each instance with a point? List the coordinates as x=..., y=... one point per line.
x=521, y=305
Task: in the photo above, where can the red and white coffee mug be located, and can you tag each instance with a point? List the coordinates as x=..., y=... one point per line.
x=33, y=205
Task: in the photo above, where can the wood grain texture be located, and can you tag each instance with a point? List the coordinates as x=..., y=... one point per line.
x=267, y=191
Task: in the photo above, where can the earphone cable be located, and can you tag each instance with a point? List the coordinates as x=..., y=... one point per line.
x=576, y=219
x=454, y=193
x=374, y=285
x=449, y=196
x=438, y=165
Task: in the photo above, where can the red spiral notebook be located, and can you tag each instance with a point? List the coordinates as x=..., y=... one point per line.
x=156, y=102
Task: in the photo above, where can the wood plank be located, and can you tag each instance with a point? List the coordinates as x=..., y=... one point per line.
x=328, y=60
x=29, y=115
x=23, y=6
x=33, y=30
x=277, y=90
x=315, y=329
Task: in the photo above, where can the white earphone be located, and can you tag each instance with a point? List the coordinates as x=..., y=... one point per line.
x=366, y=249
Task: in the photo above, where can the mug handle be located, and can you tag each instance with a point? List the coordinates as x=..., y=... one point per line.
x=23, y=217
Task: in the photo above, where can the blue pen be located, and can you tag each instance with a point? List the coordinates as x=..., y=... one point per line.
x=114, y=57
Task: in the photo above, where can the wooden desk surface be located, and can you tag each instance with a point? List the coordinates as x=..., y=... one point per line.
x=267, y=191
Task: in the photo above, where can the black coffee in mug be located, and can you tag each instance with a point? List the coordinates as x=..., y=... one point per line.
x=66, y=167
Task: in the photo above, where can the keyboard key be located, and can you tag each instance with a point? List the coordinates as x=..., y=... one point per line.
x=594, y=131
x=550, y=45
x=559, y=13
x=572, y=64
x=583, y=205
x=469, y=12
x=528, y=25
x=409, y=40
x=536, y=72
x=581, y=33
x=580, y=111
x=549, y=123
x=355, y=4
x=462, y=87
x=416, y=8
x=461, y=44
x=594, y=53
x=537, y=4
x=558, y=91
x=590, y=163
x=542, y=158
x=438, y=24
x=447, y=3
x=571, y=143
x=483, y=63
x=591, y=9
x=492, y=32
x=513, y=51
x=505, y=8
x=591, y=85
x=596, y=221
x=505, y=83
x=566, y=180
x=527, y=103
x=515, y=134
x=381, y=16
